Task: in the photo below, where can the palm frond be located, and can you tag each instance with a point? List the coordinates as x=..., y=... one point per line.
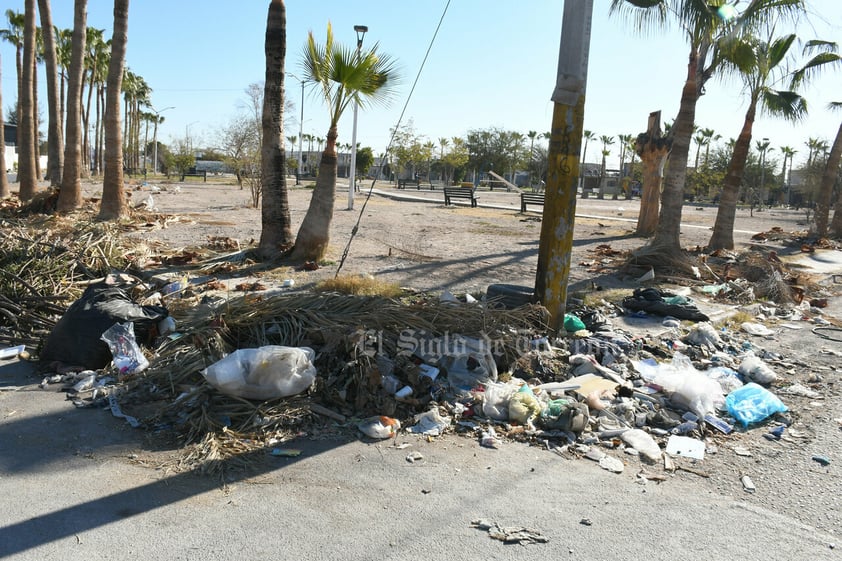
x=646, y=15
x=779, y=48
x=783, y=103
x=814, y=67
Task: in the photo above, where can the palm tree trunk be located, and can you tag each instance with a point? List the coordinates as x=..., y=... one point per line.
x=55, y=136
x=723, y=228
x=86, y=140
x=314, y=234
x=70, y=196
x=652, y=156
x=667, y=235
x=113, y=195
x=276, y=231
x=26, y=126
x=831, y=173
x=4, y=181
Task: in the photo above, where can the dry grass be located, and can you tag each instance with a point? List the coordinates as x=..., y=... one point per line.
x=359, y=285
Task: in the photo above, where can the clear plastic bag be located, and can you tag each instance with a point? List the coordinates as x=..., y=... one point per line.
x=263, y=373
x=687, y=387
x=495, y=400
x=126, y=353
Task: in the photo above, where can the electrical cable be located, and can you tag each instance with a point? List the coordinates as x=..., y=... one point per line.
x=356, y=227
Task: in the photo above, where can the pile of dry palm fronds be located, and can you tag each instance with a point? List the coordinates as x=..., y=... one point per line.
x=45, y=262
x=172, y=393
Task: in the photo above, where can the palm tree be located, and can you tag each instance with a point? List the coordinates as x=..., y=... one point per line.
x=704, y=24
x=4, y=181
x=531, y=135
x=63, y=51
x=813, y=145
x=14, y=34
x=788, y=153
x=113, y=203
x=586, y=135
x=699, y=139
x=70, y=195
x=653, y=149
x=276, y=232
x=55, y=132
x=832, y=168
x=710, y=136
x=760, y=65
x=94, y=46
x=606, y=142
x=346, y=76
x=27, y=133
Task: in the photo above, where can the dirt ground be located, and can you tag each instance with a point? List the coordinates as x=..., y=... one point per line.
x=411, y=238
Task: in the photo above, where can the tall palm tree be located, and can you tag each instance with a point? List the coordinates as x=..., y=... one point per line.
x=653, y=149
x=813, y=145
x=276, y=232
x=13, y=34
x=113, y=205
x=531, y=135
x=710, y=136
x=699, y=139
x=55, y=130
x=94, y=44
x=832, y=168
x=4, y=181
x=346, y=76
x=704, y=25
x=586, y=136
x=70, y=195
x=27, y=133
x=606, y=142
x=761, y=65
x=788, y=152
x=63, y=50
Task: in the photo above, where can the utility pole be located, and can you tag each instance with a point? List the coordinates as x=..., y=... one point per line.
x=555, y=249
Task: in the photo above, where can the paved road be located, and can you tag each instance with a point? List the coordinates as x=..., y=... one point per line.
x=72, y=490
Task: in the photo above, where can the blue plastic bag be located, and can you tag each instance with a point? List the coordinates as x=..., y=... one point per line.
x=753, y=403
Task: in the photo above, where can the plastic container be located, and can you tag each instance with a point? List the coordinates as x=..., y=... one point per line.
x=11, y=352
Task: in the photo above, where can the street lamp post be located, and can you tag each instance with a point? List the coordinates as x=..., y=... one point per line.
x=155, y=136
x=352, y=176
x=300, y=132
x=763, y=147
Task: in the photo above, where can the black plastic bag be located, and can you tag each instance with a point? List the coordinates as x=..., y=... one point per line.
x=75, y=340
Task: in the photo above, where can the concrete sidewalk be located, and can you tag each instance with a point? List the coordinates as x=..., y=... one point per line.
x=77, y=485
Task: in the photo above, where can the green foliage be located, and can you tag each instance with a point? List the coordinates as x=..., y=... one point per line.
x=365, y=159
x=181, y=157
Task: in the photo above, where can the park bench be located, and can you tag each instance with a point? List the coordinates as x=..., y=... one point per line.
x=402, y=183
x=530, y=199
x=195, y=173
x=459, y=193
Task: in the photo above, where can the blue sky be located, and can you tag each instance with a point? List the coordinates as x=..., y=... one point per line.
x=493, y=64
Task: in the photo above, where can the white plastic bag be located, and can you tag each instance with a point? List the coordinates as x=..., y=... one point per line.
x=495, y=400
x=686, y=386
x=642, y=442
x=263, y=373
x=753, y=368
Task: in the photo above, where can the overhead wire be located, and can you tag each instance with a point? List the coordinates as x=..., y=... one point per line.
x=356, y=227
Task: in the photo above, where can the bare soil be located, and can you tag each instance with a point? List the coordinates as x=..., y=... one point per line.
x=411, y=238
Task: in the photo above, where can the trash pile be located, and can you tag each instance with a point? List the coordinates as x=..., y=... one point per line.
x=234, y=377
x=242, y=374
